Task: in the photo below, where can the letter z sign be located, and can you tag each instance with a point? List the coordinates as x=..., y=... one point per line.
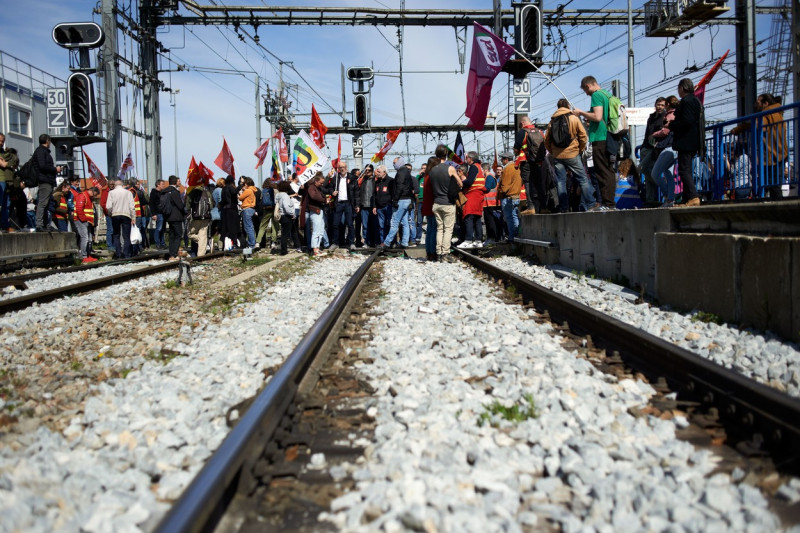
x=522, y=96
x=57, y=108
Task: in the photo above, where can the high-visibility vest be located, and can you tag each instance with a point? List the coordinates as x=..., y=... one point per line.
x=490, y=200
x=479, y=182
x=62, y=204
x=523, y=195
x=136, y=205
x=522, y=155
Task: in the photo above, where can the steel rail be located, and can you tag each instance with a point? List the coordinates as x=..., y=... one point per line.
x=745, y=406
x=82, y=267
x=203, y=502
x=15, y=304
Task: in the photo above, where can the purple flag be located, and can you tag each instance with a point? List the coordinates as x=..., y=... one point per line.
x=489, y=54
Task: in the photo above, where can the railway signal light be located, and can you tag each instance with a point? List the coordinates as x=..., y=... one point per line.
x=529, y=30
x=80, y=97
x=362, y=110
x=78, y=35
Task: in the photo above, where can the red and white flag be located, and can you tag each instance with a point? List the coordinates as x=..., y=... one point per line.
x=317, y=129
x=126, y=167
x=283, y=149
x=261, y=152
x=335, y=162
x=489, y=54
x=206, y=174
x=98, y=179
x=390, y=138
x=225, y=159
x=700, y=88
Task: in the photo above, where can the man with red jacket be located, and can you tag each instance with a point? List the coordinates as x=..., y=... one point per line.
x=84, y=221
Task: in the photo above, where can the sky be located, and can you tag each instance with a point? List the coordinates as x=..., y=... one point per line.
x=207, y=106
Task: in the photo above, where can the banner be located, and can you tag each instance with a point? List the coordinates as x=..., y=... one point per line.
x=309, y=158
x=390, y=138
x=489, y=54
x=283, y=149
x=318, y=129
x=126, y=167
x=98, y=179
x=206, y=174
x=225, y=159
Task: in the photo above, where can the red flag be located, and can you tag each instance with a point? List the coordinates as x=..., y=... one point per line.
x=127, y=165
x=390, y=138
x=495, y=164
x=225, y=159
x=335, y=162
x=700, y=88
x=193, y=177
x=489, y=54
x=283, y=149
x=206, y=174
x=317, y=129
x=261, y=152
x=98, y=179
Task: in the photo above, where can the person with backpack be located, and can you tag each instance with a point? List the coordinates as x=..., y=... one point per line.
x=598, y=137
x=688, y=129
x=566, y=140
x=201, y=202
x=529, y=147
x=267, y=224
x=8, y=164
x=248, y=199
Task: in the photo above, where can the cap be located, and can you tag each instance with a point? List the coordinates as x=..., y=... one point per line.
x=506, y=155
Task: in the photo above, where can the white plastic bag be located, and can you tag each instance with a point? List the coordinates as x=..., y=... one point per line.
x=136, y=235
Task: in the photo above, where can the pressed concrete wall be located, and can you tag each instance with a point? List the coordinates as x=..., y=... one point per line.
x=23, y=243
x=744, y=279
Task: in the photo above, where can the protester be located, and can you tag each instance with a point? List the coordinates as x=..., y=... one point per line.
x=664, y=155
x=472, y=211
x=427, y=209
x=267, y=224
x=383, y=201
x=345, y=197
x=247, y=197
x=201, y=203
x=62, y=212
x=47, y=171
x=445, y=184
x=84, y=220
x=229, y=207
x=366, y=208
x=647, y=157
x=598, y=136
x=689, y=137
x=122, y=212
x=174, y=216
x=287, y=216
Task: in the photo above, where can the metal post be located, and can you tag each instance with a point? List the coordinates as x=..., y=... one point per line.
x=631, y=86
x=746, y=56
x=795, y=54
x=175, y=125
x=150, y=104
x=258, y=126
x=111, y=89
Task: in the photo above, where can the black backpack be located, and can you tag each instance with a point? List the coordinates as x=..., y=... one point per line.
x=28, y=173
x=559, y=131
x=165, y=205
x=535, y=152
x=201, y=204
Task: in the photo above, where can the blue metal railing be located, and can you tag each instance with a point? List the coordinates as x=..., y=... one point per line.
x=757, y=160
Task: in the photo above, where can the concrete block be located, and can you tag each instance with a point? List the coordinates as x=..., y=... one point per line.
x=23, y=243
x=697, y=271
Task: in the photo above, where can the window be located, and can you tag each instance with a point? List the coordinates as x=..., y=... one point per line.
x=19, y=121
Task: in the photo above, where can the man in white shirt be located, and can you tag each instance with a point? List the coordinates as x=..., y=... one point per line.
x=345, y=193
x=122, y=212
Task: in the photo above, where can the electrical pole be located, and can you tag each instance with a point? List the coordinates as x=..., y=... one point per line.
x=150, y=92
x=746, y=56
x=111, y=89
x=258, y=127
x=631, y=86
x=795, y=50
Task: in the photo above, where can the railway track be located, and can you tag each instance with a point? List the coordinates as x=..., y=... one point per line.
x=749, y=412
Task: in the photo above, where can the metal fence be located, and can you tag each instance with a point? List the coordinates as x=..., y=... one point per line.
x=753, y=156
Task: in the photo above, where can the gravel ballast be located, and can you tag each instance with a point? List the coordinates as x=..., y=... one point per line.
x=583, y=464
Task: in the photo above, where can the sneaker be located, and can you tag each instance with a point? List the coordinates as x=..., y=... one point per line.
x=694, y=202
x=595, y=207
x=465, y=245
x=88, y=260
x=477, y=244
x=530, y=211
x=333, y=247
x=352, y=247
x=488, y=242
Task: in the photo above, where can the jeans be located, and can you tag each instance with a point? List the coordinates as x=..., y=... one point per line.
x=663, y=175
x=474, y=228
x=511, y=214
x=317, y=221
x=122, y=235
x=247, y=223
x=5, y=204
x=412, y=223
x=112, y=247
x=445, y=218
x=62, y=224
x=159, y=232
x=43, y=196
x=343, y=211
x=575, y=164
x=399, y=220
x=83, y=236
x=384, y=221
x=430, y=235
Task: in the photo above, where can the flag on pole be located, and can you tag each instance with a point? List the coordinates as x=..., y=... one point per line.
x=275, y=173
x=317, y=129
x=98, y=179
x=193, y=177
x=390, y=138
x=262, y=151
x=225, y=159
x=206, y=174
x=700, y=88
x=489, y=54
x=309, y=158
x=283, y=149
x=458, y=148
x=126, y=167
x=338, y=154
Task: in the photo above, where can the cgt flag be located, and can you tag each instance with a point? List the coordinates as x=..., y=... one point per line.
x=489, y=54
x=126, y=167
x=206, y=175
x=317, y=129
x=309, y=158
x=283, y=149
x=262, y=151
x=98, y=179
x=390, y=138
x=225, y=159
